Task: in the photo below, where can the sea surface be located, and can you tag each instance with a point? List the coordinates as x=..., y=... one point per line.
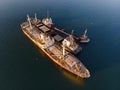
x=24, y=67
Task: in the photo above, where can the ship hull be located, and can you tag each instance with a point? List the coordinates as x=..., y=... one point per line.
x=41, y=36
x=85, y=41
x=54, y=60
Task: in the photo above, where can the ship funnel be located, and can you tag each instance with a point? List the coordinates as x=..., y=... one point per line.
x=28, y=18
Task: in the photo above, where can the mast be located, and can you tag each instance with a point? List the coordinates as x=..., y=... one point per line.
x=85, y=32
x=35, y=17
x=71, y=38
x=63, y=49
x=47, y=14
x=28, y=18
x=48, y=20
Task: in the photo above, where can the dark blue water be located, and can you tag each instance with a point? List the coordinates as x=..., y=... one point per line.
x=24, y=67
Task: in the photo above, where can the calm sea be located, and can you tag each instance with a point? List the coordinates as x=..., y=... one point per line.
x=24, y=67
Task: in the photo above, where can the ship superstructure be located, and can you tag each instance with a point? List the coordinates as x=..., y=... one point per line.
x=84, y=38
x=71, y=45
x=39, y=33
x=61, y=36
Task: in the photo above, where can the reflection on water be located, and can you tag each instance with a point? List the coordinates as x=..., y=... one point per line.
x=101, y=55
x=73, y=78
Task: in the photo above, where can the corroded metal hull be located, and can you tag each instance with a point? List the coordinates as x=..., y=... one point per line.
x=54, y=52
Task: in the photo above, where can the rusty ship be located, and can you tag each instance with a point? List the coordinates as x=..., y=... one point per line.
x=58, y=45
